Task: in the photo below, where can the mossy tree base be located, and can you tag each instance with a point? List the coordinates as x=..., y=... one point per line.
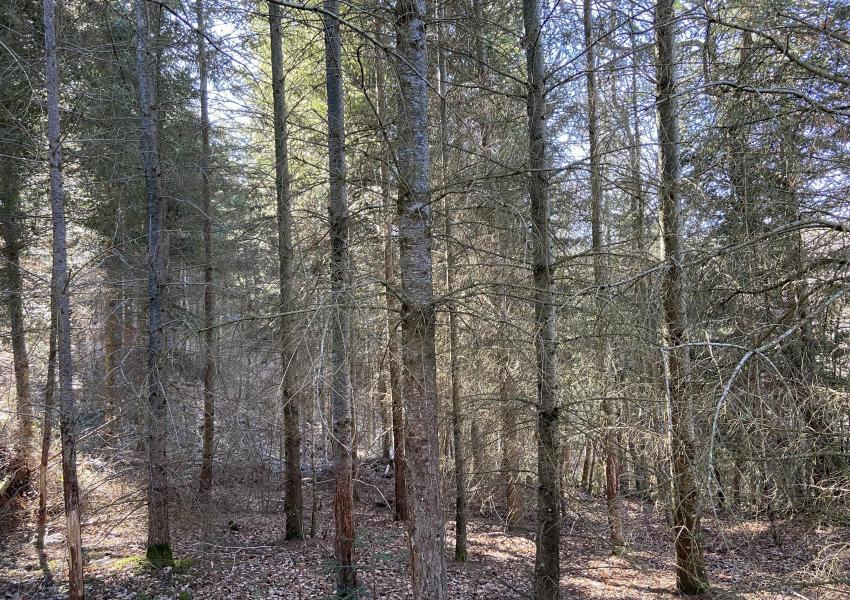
x=159, y=556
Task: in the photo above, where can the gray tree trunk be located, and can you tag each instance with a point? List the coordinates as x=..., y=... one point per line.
x=461, y=551
x=547, y=560
x=10, y=229
x=60, y=280
x=690, y=572
x=400, y=512
x=341, y=406
x=604, y=354
x=293, y=501
x=47, y=423
x=418, y=318
x=159, y=534
x=206, y=475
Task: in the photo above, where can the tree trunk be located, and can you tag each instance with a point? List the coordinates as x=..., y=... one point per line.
x=206, y=475
x=604, y=352
x=461, y=551
x=60, y=280
x=346, y=577
x=47, y=424
x=112, y=341
x=10, y=228
x=293, y=501
x=159, y=535
x=397, y=401
x=511, y=451
x=418, y=316
x=691, y=577
x=547, y=570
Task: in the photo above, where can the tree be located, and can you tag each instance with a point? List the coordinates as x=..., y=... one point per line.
x=16, y=148
x=418, y=317
x=61, y=280
x=400, y=512
x=293, y=495
x=346, y=576
x=461, y=551
x=159, y=533
x=547, y=561
x=206, y=476
x=690, y=572
x=605, y=356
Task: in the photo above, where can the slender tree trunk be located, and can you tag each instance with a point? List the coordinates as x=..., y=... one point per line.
x=461, y=551
x=47, y=423
x=604, y=353
x=112, y=342
x=418, y=316
x=638, y=205
x=397, y=401
x=586, y=468
x=511, y=450
x=206, y=476
x=691, y=577
x=385, y=407
x=10, y=228
x=293, y=501
x=346, y=577
x=159, y=535
x=547, y=571
x=60, y=280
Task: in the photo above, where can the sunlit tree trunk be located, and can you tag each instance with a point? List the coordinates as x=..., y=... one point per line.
x=418, y=318
x=691, y=577
x=60, y=281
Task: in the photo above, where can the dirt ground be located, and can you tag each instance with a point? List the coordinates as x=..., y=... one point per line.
x=234, y=550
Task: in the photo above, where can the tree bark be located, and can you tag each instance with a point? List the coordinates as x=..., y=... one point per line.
x=418, y=316
x=206, y=475
x=461, y=551
x=47, y=423
x=346, y=576
x=159, y=534
x=60, y=280
x=511, y=450
x=293, y=503
x=691, y=577
x=112, y=342
x=604, y=352
x=397, y=400
x=547, y=571
x=10, y=228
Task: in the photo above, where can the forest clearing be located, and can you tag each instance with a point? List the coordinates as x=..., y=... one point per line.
x=425, y=299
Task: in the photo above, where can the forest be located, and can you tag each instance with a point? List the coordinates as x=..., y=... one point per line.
x=425, y=299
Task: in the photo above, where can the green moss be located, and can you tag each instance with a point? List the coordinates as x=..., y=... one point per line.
x=159, y=556
x=136, y=561
x=184, y=595
x=182, y=565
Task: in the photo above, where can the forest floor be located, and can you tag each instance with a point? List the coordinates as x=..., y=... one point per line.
x=235, y=551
